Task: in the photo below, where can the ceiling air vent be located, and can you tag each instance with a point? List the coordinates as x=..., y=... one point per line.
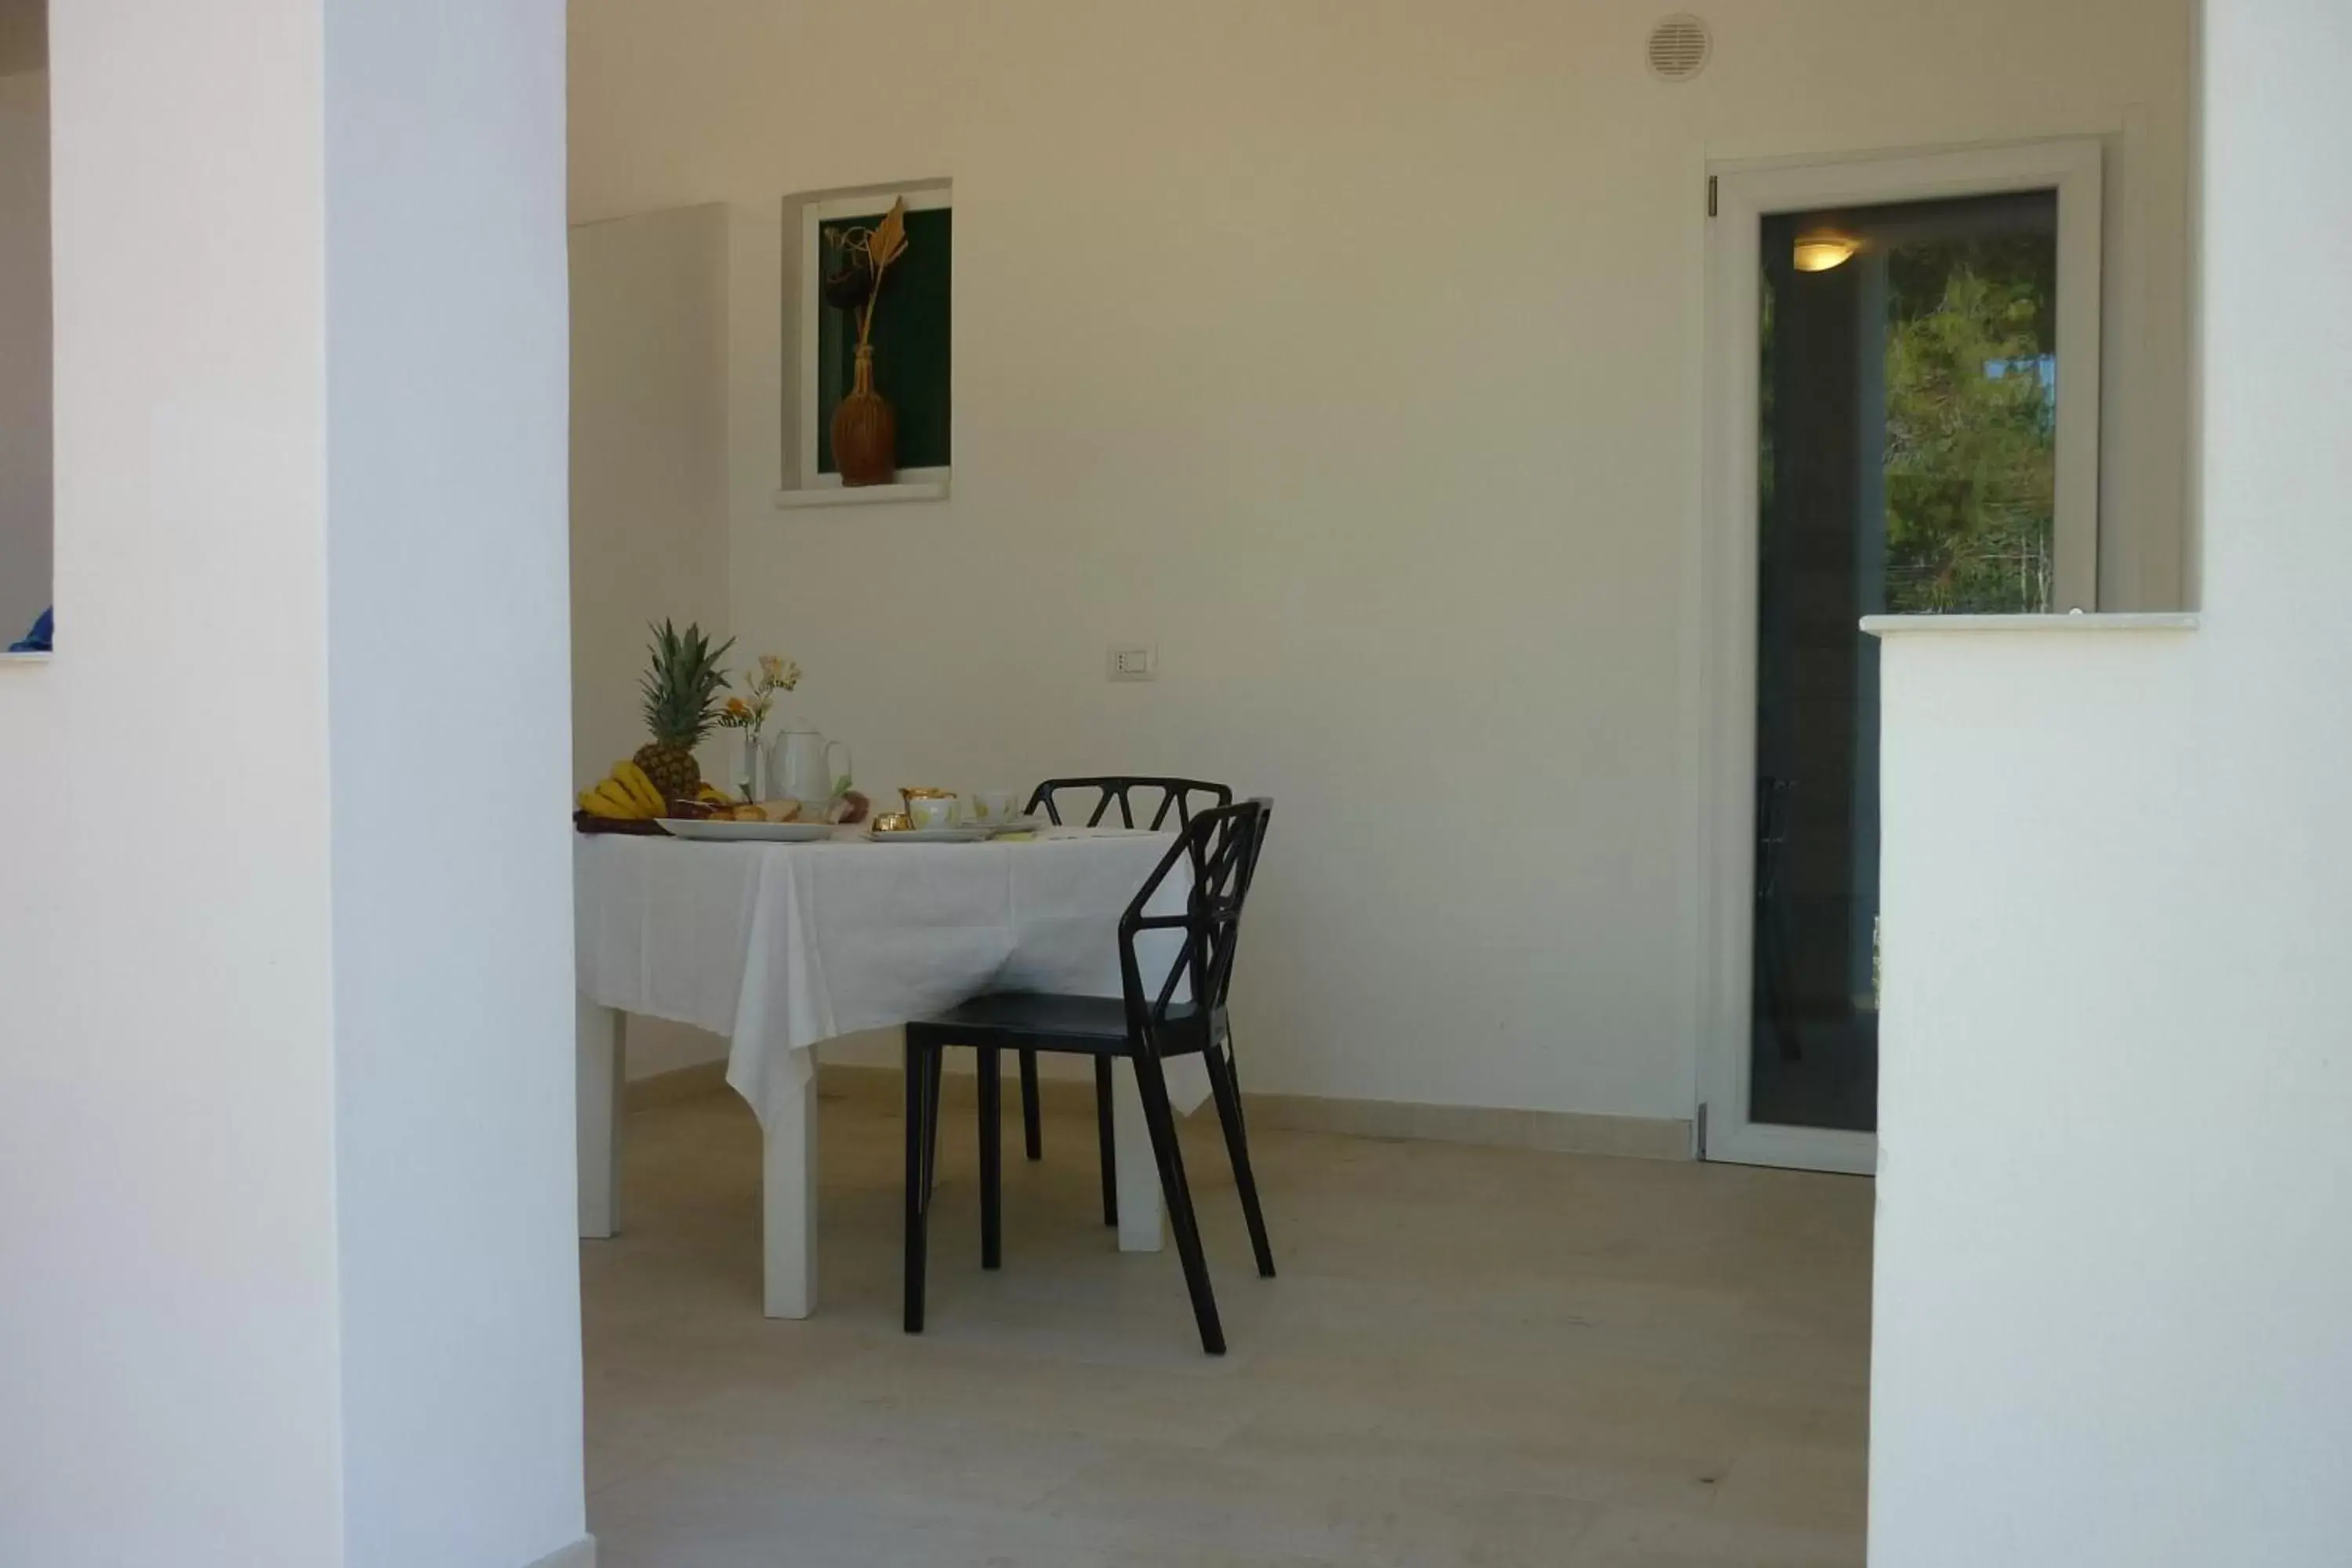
x=1678, y=48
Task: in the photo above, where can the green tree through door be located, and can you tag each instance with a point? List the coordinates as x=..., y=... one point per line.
x=1972, y=425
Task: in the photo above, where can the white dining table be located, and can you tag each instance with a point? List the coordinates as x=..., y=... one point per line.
x=779, y=947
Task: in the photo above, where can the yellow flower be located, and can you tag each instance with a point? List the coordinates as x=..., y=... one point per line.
x=778, y=673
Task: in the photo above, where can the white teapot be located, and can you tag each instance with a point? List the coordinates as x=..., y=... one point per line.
x=802, y=767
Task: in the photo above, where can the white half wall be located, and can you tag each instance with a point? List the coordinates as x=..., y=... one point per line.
x=1351, y=356
x=2113, y=1260
x=25, y=507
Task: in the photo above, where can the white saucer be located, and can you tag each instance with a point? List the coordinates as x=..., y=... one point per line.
x=767, y=832
x=932, y=836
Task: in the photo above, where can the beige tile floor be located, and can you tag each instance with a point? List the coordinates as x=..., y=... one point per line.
x=1473, y=1356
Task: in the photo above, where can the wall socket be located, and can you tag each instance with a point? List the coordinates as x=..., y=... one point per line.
x=1134, y=662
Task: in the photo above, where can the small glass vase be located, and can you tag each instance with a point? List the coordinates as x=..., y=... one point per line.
x=747, y=767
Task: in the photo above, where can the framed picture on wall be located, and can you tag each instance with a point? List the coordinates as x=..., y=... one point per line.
x=911, y=333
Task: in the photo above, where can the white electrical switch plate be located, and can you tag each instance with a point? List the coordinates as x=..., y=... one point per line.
x=1135, y=662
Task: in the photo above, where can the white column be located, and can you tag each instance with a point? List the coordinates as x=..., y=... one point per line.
x=447, y=607
x=2111, y=1262
x=289, y=1258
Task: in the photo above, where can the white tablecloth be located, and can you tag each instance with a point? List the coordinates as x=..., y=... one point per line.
x=778, y=946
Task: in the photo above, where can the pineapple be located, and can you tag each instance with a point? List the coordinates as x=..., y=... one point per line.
x=680, y=689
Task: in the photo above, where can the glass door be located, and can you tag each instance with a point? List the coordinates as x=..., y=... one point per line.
x=1908, y=372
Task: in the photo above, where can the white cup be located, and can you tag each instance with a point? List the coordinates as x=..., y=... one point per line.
x=930, y=811
x=994, y=805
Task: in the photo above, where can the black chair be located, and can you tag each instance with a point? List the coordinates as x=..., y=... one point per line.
x=1147, y=1026
x=1175, y=796
x=1183, y=799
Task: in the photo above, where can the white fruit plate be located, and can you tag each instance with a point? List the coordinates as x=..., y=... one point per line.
x=736, y=832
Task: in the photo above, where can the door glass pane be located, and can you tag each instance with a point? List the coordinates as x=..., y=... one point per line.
x=1908, y=455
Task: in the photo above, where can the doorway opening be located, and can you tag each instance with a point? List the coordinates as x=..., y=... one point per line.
x=1904, y=350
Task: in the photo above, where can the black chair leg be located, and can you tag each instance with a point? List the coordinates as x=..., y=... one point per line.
x=1104, y=1136
x=1031, y=1128
x=992, y=1159
x=1161, y=1120
x=1228, y=1112
x=921, y=1064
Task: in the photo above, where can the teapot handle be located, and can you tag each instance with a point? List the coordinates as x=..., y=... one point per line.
x=840, y=779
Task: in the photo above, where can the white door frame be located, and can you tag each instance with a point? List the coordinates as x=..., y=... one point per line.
x=1743, y=194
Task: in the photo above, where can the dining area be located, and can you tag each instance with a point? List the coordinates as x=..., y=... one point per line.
x=989, y=1154
x=866, y=1314
x=1097, y=923
x=1643, y=576
x=985, y=1229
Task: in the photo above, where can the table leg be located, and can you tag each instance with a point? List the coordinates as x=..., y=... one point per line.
x=788, y=1203
x=1139, y=1211
x=599, y=1047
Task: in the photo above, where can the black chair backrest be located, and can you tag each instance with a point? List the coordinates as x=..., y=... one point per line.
x=1220, y=847
x=1184, y=798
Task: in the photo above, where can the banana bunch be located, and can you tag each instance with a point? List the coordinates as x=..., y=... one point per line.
x=628, y=796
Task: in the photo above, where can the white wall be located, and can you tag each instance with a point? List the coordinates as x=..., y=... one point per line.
x=169, y=1337
x=2113, y=1261
x=23, y=35
x=277, y=1292
x=25, y=483
x=648, y=459
x=1351, y=355
x=649, y=493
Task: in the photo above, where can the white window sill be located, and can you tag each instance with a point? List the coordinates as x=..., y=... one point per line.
x=862, y=495
x=2121, y=621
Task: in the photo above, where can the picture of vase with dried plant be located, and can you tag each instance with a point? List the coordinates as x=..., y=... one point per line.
x=865, y=429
